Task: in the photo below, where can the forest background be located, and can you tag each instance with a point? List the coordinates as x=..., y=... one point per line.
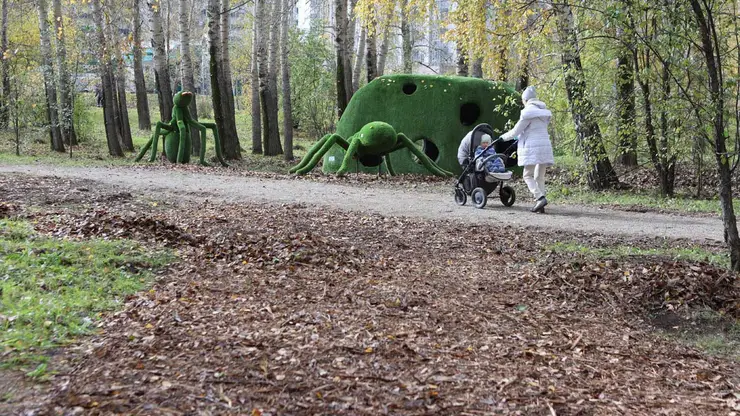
x=645, y=93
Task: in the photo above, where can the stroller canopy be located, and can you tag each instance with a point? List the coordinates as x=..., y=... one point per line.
x=476, y=136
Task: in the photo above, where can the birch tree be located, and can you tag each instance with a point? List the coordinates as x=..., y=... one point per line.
x=383, y=52
x=285, y=70
x=711, y=38
x=600, y=173
x=254, y=87
x=65, y=89
x=270, y=133
x=4, y=70
x=161, y=67
x=47, y=69
x=626, y=112
x=111, y=131
x=340, y=33
x=230, y=137
x=186, y=70
x=358, y=61
x=119, y=85
x=214, y=52
x=406, y=42
x=268, y=101
x=371, y=55
x=142, y=102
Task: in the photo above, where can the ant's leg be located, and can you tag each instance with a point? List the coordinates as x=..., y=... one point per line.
x=351, y=151
x=216, y=139
x=154, y=141
x=181, y=150
x=309, y=155
x=388, y=165
x=318, y=154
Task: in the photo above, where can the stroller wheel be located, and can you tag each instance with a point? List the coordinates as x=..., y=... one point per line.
x=479, y=197
x=460, y=197
x=507, y=195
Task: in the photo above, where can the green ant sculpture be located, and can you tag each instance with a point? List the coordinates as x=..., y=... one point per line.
x=370, y=145
x=177, y=143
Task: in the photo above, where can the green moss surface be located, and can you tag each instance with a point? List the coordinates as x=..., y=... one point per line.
x=433, y=111
x=172, y=145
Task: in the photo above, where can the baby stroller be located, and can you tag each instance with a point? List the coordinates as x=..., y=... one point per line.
x=476, y=181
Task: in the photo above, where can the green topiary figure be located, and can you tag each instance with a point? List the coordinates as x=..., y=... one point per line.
x=177, y=142
x=434, y=112
x=371, y=145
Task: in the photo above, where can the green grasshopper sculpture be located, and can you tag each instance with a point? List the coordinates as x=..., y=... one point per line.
x=177, y=143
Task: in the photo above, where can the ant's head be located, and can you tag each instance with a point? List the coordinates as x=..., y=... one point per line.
x=183, y=98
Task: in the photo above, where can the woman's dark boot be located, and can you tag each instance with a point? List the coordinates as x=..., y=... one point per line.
x=539, y=206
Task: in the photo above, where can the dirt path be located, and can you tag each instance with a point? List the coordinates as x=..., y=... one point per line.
x=300, y=310
x=384, y=201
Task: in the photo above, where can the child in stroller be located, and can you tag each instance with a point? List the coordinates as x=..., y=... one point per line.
x=494, y=164
x=484, y=169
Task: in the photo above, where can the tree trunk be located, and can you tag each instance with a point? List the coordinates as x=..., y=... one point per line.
x=124, y=127
x=4, y=70
x=270, y=131
x=161, y=68
x=712, y=57
x=627, y=127
x=111, y=133
x=371, y=57
x=522, y=82
x=113, y=61
x=477, y=71
x=255, y=91
x=214, y=51
x=205, y=63
x=382, y=53
x=186, y=71
x=660, y=169
x=65, y=90
x=285, y=63
x=123, y=121
x=142, y=102
x=47, y=67
x=668, y=160
x=273, y=67
x=462, y=61
x=406, y=43
x=229, y=135
x=601, y=175
x=349, y=50
x=340, y=23
x=119, y=91
x=503, y=63
x=357, y=71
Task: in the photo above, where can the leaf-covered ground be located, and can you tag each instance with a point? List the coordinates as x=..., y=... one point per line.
x=298, y=310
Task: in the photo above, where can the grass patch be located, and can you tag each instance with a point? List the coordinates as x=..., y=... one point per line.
x=691, y=253
x=52, y=291
x=706, y=330
x=569, y=195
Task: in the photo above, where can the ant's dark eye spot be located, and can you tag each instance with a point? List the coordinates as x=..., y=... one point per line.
x=409, y=88
x=469, y=113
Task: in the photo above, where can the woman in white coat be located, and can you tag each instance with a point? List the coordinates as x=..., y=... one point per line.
x=534, y=150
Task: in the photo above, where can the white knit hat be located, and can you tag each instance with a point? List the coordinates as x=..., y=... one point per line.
x=485, y=138
x=529, y=93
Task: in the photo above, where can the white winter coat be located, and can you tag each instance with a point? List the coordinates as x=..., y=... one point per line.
x=534, y=145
